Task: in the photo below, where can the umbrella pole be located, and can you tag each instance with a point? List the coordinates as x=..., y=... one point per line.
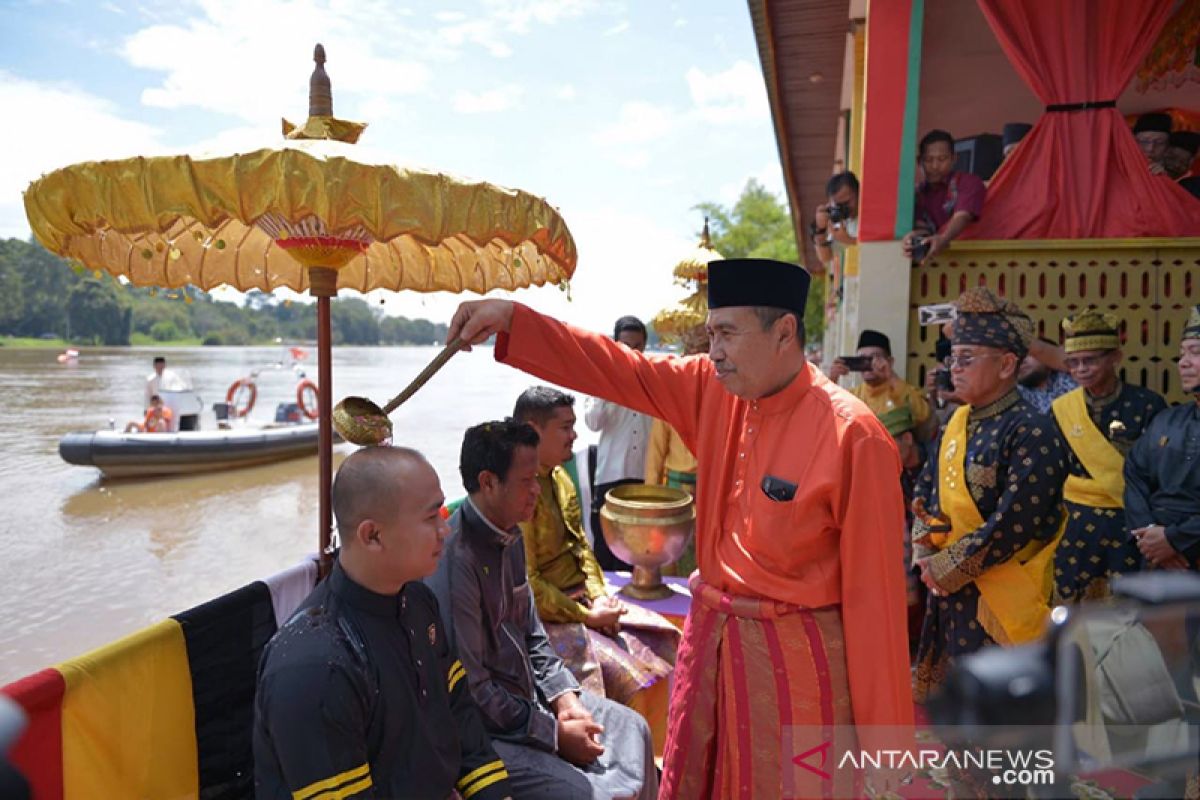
x=323, y=284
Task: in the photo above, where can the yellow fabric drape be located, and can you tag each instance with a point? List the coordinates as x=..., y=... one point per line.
x=175, y=220
x=128, y=720
x=1014, y=596
x=1106, y=486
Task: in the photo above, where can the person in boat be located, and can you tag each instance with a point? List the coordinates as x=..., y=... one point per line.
x=360, y=693
x=154, y=379
x=799, y=598
x=157, y=419
x=1162, y=482
x=556, y=740
x=988, y=506
x=614, y=650
x=1099, y=422
x=621, y=451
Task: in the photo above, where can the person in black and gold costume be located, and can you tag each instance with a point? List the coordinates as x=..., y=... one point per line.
x=361, y=693
x=1162, y=473
x=1099, y=422
x=987, y=511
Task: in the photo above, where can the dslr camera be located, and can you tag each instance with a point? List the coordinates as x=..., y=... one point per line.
x=1111, y=687
x=838, y=212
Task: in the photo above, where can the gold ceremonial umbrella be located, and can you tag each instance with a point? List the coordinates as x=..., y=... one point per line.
x=672, y=323
x=312, y=213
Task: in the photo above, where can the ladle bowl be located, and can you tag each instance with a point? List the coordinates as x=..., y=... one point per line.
x=359, y=421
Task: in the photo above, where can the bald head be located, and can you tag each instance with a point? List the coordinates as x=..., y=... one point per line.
x=371, y=484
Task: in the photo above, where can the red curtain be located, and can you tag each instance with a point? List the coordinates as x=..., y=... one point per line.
x=1079, y=174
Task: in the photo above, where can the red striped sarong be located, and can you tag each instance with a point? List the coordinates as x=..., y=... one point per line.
x=750, y=672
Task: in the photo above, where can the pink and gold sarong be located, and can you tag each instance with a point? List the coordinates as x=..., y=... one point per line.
x=751, y=672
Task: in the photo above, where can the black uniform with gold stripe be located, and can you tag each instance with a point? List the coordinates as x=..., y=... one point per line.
x=360, y=695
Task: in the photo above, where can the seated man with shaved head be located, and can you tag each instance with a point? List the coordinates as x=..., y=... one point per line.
x=360, y=693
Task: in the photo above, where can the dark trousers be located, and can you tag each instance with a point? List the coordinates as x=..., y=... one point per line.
x=607, y=560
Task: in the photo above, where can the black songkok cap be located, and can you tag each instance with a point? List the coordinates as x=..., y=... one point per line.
x=870, y=338
x=757, y=282
x=1014, y=132
x=1185, y=140
x=1158, y=122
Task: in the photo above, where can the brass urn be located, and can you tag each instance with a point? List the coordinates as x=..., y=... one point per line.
x=648, y=527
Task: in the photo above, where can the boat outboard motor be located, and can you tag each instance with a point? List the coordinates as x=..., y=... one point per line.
x=288, y=413
x=221, y=411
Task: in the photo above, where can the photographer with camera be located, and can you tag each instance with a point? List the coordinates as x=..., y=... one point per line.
x=987, y=509
x=882, y=390
x=947, y=201
x=835, y=224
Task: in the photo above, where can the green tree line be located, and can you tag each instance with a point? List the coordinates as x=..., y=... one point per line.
x=42, y=295
x=759, y=226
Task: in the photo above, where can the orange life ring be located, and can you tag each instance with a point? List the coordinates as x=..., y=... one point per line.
x=234, y=390
x=302, y=394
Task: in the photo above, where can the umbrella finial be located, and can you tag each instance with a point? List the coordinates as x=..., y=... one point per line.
x=320, y=93
x=705, y=241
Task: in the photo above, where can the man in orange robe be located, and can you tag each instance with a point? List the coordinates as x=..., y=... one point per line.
x=798, y=615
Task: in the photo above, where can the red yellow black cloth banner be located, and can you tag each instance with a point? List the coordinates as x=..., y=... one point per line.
x=164, y=712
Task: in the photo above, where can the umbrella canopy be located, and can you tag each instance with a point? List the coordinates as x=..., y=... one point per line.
x=235, y=221
x=314, y=213
x=673, y=323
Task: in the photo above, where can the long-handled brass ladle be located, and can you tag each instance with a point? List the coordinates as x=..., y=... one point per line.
x=361, y=422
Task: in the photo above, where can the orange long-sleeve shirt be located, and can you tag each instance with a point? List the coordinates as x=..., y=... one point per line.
x=838, y=541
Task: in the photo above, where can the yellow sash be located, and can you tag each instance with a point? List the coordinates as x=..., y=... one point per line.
x=1013, y=603
x=1106, y=487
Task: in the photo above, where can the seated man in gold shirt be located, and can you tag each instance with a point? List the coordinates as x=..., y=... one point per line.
x=614, y=650
x=881, y=389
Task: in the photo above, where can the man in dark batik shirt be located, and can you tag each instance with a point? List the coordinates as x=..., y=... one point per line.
x=1099, y=422
x=1162, y=473
x=988, y=505
x=556, y=740
x=360, y=693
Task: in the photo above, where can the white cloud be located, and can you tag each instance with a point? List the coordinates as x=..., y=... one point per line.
x=770, y=177
x=235, y=69
x=488, y=102
x=638, y=122
x=68, y=125
x=733, y=95
x=518, y=15
x=620, y=27
x=450, y=16
x=481, y=32
x=566, y=92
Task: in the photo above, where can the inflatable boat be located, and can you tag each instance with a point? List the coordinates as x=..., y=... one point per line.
x=123, y=455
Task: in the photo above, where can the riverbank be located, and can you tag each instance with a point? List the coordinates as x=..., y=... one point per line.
x=136, y=340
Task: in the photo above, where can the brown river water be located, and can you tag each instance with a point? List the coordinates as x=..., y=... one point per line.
x=87, y=561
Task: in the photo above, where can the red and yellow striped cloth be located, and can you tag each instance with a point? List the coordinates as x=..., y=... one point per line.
x=166, y=712
x=749, y=672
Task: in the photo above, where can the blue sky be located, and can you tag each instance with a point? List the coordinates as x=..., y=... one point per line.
x=624, y=115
